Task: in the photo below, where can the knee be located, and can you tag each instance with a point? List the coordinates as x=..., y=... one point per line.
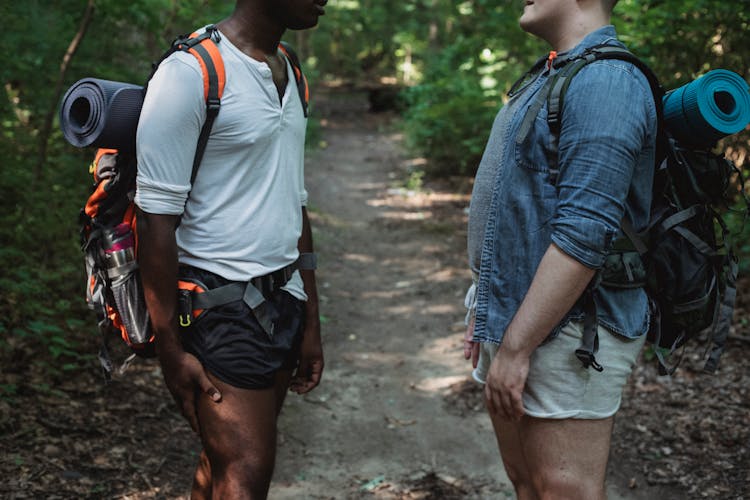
x=249, y=474
x=518, y=473
x=519, y=476
x=551, y=485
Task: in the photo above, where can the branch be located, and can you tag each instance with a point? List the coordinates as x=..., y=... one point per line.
x=49, y=118
x=739, y=338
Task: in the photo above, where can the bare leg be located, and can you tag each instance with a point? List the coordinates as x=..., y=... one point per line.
x=239, y=440
x=555, y=459
x=202, y=479
x=508, y=437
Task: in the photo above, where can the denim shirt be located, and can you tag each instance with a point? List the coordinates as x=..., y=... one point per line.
x=606, y=152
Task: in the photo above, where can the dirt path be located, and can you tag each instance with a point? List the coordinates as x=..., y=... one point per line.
x=391, y=283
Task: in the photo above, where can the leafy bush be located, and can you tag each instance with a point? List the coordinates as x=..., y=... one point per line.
x=448, y=121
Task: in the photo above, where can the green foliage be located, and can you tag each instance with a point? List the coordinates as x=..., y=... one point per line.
x=463, y=85
x=448, y=119
x=43, y=318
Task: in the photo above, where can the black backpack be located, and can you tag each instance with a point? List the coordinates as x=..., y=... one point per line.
x=685, y=258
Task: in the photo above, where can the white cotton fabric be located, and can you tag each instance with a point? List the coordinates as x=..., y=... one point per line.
x=559, y=386
x=242, y=218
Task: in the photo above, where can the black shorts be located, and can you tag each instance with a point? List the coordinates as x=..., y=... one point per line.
x=231, y=344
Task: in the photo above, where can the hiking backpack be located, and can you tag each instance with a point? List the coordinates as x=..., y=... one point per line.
x=108, y=220
x=684, y=258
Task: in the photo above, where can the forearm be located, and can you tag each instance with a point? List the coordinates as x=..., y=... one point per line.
x=558, y=283
x=305, y=245
x=157, y=258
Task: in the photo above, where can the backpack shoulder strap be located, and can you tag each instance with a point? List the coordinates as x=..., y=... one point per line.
x=299, y=77
x=203, y=47
x=562, y=79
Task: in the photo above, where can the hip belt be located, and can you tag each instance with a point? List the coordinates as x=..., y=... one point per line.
x=194, y=297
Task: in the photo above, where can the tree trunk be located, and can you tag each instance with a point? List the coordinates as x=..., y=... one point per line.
x=48, y=120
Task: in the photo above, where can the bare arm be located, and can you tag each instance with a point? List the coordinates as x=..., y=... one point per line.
x=558, y=283
x=157, y=258
x=311, y=364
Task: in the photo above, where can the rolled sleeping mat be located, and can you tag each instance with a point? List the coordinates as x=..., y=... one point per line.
x=101, y=113
x=707, y=109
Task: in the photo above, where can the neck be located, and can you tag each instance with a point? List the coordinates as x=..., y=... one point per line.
x=252, y=31
x=569, y=39
x=587, y=16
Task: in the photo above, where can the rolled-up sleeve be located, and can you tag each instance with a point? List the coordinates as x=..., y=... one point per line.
x=606, y=123
x=170, y=122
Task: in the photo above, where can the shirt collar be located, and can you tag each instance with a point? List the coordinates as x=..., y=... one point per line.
x=603, y=35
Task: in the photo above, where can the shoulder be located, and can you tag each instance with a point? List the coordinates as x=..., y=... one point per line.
x=614, y=75
x=178, y=79
x=180, y=64
x=611, y=87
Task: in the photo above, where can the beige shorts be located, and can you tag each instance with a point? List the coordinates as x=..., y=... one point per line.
x=559, y=386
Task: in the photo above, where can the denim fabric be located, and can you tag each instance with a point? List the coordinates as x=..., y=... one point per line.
x=606, y=159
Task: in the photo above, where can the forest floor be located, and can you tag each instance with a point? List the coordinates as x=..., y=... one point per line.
x=396, y=415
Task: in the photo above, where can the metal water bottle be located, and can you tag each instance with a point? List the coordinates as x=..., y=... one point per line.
x=119, y=257
x=119, y=251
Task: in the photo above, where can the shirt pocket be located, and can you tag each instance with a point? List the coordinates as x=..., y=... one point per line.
x=533, y=149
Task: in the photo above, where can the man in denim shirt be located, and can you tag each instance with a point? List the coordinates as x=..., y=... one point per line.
x=535, y=245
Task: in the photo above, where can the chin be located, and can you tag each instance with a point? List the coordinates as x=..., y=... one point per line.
x=526, y=25
x=302, y=24
x=531, y=25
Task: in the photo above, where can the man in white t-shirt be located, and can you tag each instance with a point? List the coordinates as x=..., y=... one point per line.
x=242, y=220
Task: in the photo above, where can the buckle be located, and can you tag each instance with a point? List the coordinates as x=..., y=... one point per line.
x=587, y=359
x=185, y=308
x=265, y=283
x=213, y=104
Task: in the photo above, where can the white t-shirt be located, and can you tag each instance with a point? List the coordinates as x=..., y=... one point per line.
x=243, y=216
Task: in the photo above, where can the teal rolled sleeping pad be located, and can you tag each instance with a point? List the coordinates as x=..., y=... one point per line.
x=707, y=109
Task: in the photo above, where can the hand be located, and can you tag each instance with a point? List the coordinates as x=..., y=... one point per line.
x=310, y=368
x=505, y=382
x=184, y=376
x=471, y=348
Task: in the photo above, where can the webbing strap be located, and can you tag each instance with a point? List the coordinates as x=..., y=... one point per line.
x=255, y=301
x=694, y=304
x=527, y=78
x=307, y=261
x=232, y=292
x=655, y=337
x=590, y=339
x=204, y=49
x=251, y=293
x=556, y=97
x=632, y=235
x=723, y=318
x=698, y=243
x=530, y=117
x=219, y=296
x=302, y=88
x=679, y=217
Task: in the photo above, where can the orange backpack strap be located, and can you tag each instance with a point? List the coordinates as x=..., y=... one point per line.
x=299, y=77
x=203, y=47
